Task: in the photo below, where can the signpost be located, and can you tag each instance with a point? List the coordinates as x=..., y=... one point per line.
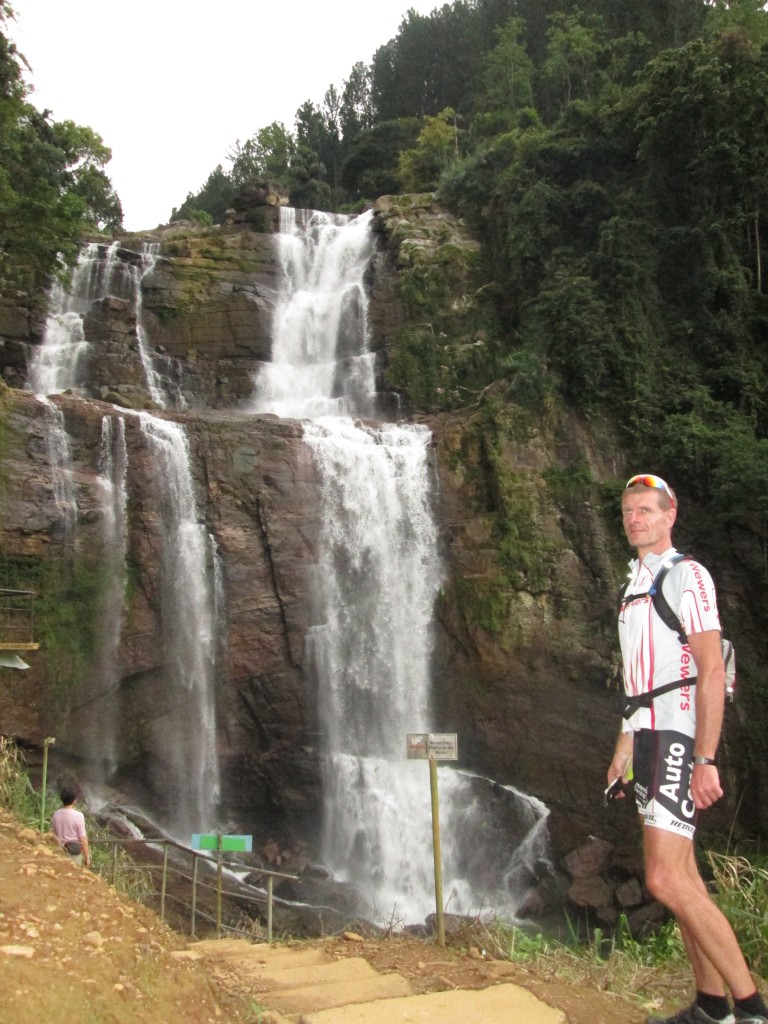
x=47, y=742
x=227, y=844
x=434, y=747
x=219, y=844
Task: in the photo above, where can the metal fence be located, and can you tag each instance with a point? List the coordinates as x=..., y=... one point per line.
x=180, y=879
x=17, y=620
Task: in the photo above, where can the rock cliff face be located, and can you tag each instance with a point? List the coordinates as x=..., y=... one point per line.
x=524, y=663
x=257, y=494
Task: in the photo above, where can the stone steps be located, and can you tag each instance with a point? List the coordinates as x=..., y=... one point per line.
x=308, y=986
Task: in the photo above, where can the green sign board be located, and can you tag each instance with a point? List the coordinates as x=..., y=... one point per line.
x=228, y=844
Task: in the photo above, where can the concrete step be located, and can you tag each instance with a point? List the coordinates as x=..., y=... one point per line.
x=258, y=957
x=500, y=1004
x=275, y=976
x=331, y=996
x=299, y=985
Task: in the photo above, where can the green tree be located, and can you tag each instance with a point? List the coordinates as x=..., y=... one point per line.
x=52, y=181
x=436, y=148
x=356, y=113
x=310, y=190
x=746, y=16
x=213, y=199
x=506, y=81
x=371, y=165
x=430, y=64
x=318, y=132
x=704, y=154
x=667, y=23
x=576, y=43
x=266, y=156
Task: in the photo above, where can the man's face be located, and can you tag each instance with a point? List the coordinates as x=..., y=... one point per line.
x=647, y=525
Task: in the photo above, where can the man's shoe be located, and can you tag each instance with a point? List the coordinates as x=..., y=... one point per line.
x=694, y=1014
x=742, y=1017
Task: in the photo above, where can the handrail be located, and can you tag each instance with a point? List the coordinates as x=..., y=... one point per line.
x=17, y=620
x=216, y=861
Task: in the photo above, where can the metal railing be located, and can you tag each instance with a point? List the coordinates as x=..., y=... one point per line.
x=148, y=866
x=17, y=620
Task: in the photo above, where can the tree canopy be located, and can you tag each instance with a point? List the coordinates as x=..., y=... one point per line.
x=612, y=158
x=53, y=186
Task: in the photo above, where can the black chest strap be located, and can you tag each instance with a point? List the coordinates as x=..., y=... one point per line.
x=645, y=700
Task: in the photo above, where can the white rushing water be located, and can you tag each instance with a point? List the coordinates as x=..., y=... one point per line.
x=375, y=583
x=376, y=580
x=59, y=363
x=103, y=721
x=149, y=257
x=55, y=366
x=188, y=628
x=320, y=360
x=60, y=461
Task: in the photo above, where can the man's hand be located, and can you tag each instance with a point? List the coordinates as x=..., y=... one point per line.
x=705, y=786
x=622, y=758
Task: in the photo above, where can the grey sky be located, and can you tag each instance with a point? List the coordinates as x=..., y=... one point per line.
x=171, y=84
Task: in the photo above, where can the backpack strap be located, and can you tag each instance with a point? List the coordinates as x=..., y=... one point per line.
x=664, y=611
x=661, y=606
x=645, y=700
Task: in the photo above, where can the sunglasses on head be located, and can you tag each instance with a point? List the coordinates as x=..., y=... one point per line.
x=651, y=480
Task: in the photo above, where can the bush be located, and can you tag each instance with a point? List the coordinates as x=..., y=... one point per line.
x=16, y=792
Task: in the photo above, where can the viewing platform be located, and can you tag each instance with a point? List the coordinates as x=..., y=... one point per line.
x=17, y=620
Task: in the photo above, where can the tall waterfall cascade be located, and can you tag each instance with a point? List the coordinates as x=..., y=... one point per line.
x=113, y=471
x=375, y=584
x=186, y=775
x=188, y=618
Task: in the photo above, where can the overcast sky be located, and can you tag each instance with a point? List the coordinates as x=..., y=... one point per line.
x=170, y=85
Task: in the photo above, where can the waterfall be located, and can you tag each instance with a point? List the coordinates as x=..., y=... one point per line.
x=185, y=770
x=186, y=739
x=374, y=587
x=149, y=256
x=55, y=366
x=376, y=580
x=60, y=461
x=112, y=476
x=320, y=361
x=59, y=363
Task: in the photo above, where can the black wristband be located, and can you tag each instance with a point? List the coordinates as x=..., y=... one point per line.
x=703, y=760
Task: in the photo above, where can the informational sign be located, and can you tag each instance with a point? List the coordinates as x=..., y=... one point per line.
x=442, y=746
x=228, y=844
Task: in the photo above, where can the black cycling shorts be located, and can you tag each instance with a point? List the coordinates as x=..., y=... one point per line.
x=663, y=765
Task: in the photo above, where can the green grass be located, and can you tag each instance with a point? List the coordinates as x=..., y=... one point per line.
x=16, y=791
x=742, y=895
x=653, y=971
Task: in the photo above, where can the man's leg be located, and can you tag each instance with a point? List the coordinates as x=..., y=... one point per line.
x=672, y=876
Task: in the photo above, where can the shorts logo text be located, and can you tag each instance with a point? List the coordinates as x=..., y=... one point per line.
x=670, y=787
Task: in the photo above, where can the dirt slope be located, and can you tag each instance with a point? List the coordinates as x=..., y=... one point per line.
x=72, y=948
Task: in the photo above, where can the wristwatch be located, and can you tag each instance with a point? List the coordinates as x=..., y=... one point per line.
x=697, y=759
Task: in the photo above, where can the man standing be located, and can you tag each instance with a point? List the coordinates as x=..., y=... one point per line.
x=68, y=825
x=675, y=687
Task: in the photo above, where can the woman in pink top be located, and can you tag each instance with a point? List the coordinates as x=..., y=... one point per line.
x=68, y=825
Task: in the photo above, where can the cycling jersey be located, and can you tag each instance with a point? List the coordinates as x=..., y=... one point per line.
x=652, y=653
